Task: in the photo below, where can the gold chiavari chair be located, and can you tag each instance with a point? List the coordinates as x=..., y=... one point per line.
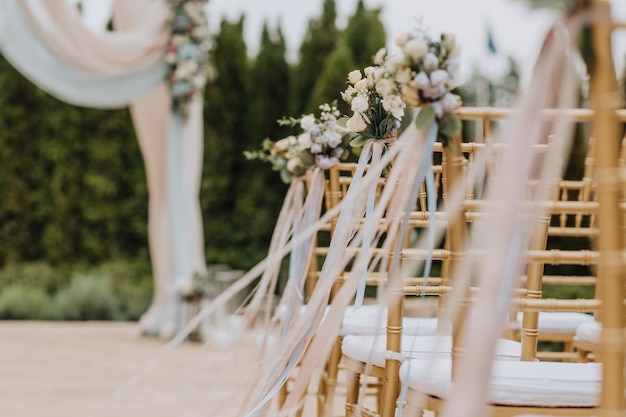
x=562, y=388
x=381, y=356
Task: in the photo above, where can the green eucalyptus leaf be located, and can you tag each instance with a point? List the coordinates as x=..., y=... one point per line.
x=343, y=122
x=358, y=141
x=450, y=125
x=285, y=176
x=425, y=117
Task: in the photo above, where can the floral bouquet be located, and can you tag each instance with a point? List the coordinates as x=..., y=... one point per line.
x=376, y=103
x=320, y=143
x=427, y=70
x=187, y=52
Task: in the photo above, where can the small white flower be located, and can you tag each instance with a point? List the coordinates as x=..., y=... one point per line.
x=360, y=103
x=369, y=71
x=438, y=77
x=354, y=76
x=431, y=61
x=304, y=140
x=416, y=48
x=356, y=123
x=307, y=122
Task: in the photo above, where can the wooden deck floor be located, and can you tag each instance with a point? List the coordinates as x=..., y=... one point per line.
x=50, y=369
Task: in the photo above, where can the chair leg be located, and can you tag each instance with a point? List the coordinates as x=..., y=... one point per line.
x=329, y=384
x=353, y=384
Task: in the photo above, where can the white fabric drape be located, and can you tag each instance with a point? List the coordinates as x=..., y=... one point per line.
x=47, y=42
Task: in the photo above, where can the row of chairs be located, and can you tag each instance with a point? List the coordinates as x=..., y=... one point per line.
x=379, y=343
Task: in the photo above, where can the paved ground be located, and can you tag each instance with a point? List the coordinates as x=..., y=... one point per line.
x=50, y=369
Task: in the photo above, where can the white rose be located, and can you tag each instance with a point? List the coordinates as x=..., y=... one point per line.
x=304, y=140
x=404, y=76
x=421, y=81
x=416, y=48
x=385, y=87
x=354, y=76
x=295, y=166
x=361, y=84
x=323, y=162
x=431, y=61
x=281, y=145
x=401, y=39
x=439, y=77
x=356, y=123
x=307, y=122
x=438, y=106
x=316, y=148
x=453, y=66
x=394, y=105
x=369, y=71
x=451, y=102
x=334, y=139
x=360, y=104
x=380, y=56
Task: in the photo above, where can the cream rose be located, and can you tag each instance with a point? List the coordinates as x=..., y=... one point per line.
x=416, y=48
x=354, y=76
x=360, y=104
x=356, y=123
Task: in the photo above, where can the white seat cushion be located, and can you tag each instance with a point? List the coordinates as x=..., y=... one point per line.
x=370, y=319
x=589, y=331
x=372, y=349
x=555, y=322
x=540, y=384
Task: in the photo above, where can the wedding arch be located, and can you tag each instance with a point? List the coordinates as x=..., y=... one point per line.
x=133, y=65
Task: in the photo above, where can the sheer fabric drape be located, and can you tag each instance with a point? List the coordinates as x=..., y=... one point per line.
x=48, y=43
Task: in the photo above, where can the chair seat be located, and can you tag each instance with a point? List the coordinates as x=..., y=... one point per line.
x=373, y=350
x=555, y=322
x=516, y=383
x=370, y=319
x=589, y=331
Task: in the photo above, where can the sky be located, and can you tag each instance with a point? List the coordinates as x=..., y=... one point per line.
x=517, y=29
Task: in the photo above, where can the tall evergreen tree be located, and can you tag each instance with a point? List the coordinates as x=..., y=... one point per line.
x=364, y=34
x=333, y=78
x=259, y=189
x=317, y=45
x=227, y=99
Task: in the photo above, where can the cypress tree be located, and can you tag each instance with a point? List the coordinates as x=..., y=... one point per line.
x=333, y=78
x=227, y=99
x=318, y=44
x=260, y=190
x=364, y=34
